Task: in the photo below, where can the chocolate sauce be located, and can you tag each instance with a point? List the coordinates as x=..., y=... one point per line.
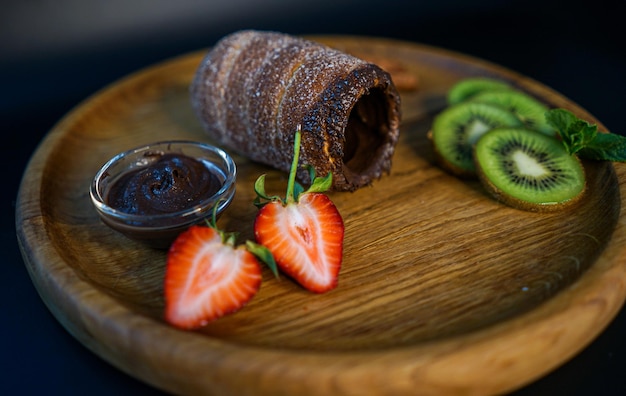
x=169, y=184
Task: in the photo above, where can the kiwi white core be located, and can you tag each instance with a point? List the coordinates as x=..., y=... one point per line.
x=527, y=165
x=476, y=130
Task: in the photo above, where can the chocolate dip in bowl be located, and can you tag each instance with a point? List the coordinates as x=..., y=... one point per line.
x=153, y=193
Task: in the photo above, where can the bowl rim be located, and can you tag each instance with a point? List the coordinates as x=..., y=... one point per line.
x=131, y=220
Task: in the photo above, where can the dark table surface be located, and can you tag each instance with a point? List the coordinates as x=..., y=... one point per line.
x=55, y=54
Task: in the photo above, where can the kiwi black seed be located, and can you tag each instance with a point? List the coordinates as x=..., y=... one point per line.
x=457, y=128
x=529, y=110
x=528, y=170
x=469, y=87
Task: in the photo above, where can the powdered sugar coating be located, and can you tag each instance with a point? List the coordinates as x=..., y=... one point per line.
x=254, y=88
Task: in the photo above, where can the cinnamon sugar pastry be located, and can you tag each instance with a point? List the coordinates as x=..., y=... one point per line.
x=254, y=88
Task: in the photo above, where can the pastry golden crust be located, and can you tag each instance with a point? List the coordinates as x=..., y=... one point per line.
x=254, y=88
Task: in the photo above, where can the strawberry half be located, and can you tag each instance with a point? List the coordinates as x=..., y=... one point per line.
x=304, y=232
x=207, y=277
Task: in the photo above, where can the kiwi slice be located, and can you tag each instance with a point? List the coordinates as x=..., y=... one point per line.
x=469, y=87
x=457, y=128
x=528, y=170
x=529, y=110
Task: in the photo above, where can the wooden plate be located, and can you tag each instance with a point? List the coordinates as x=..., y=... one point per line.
x=443, y=290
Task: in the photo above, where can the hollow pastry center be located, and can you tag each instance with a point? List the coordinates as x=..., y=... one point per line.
x=365, y=133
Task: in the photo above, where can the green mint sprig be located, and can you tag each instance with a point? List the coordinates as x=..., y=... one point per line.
x=582, y=138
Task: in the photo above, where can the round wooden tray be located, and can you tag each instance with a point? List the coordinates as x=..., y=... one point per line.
x=442, y=290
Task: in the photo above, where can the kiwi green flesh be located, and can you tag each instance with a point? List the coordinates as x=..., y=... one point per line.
x=528, y=170
x=469, y=87
x=529, y=110
x=457, y=128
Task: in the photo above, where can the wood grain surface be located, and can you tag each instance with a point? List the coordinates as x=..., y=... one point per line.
x=442, y=290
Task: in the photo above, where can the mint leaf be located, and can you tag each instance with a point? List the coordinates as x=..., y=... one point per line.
x=605, y=147
x=582, y=138
x=575, y=133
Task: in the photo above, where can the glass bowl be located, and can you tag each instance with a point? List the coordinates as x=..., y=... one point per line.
x=165, y=210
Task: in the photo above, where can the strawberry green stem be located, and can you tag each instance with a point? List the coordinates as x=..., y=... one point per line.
x=289, y=197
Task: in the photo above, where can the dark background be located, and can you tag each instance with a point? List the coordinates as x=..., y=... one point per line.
x=53, y=54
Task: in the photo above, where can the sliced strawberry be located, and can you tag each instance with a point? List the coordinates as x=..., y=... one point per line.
x=306, y=239
x=207, y=277
x=304, y=232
